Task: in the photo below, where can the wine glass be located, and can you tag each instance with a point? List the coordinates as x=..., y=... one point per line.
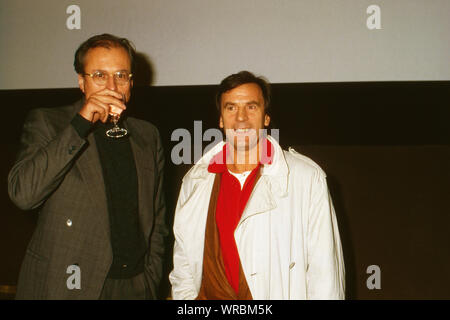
x=114, y=116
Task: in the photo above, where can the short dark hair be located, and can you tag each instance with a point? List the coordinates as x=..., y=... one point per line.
x=240, y=78
x=105, y=40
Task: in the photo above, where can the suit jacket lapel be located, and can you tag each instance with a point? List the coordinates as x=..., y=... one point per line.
x=145, y=176
x=92, y=174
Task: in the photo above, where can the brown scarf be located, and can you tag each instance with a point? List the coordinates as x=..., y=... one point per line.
x=215, y=285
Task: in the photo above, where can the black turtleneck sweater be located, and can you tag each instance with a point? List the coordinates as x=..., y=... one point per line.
x=121, y=185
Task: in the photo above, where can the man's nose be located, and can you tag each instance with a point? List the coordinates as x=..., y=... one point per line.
x=111, y=83
x=242, y=114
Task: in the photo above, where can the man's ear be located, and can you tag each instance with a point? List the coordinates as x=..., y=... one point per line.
x=81, y=82
x=266, y=120
x=221, y=122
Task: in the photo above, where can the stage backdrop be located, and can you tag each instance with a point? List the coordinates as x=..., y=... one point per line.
x=361, y=87
x=199, y=42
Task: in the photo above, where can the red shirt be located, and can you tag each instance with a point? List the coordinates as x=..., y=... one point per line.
x=231, y=203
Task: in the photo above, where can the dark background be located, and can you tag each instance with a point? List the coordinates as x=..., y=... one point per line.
x=385, y=147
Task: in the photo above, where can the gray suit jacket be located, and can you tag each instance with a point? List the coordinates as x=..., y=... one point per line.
x=60, y=173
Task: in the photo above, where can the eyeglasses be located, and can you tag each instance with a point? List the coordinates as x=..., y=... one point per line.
x=101, y=77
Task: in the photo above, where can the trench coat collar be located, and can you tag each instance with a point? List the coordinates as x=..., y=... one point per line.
x=274, y=175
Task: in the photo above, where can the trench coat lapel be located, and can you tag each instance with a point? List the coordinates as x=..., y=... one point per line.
x=272, y=184
x=261, y=200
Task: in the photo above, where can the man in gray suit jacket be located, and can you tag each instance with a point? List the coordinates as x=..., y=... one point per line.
x=101, y=229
